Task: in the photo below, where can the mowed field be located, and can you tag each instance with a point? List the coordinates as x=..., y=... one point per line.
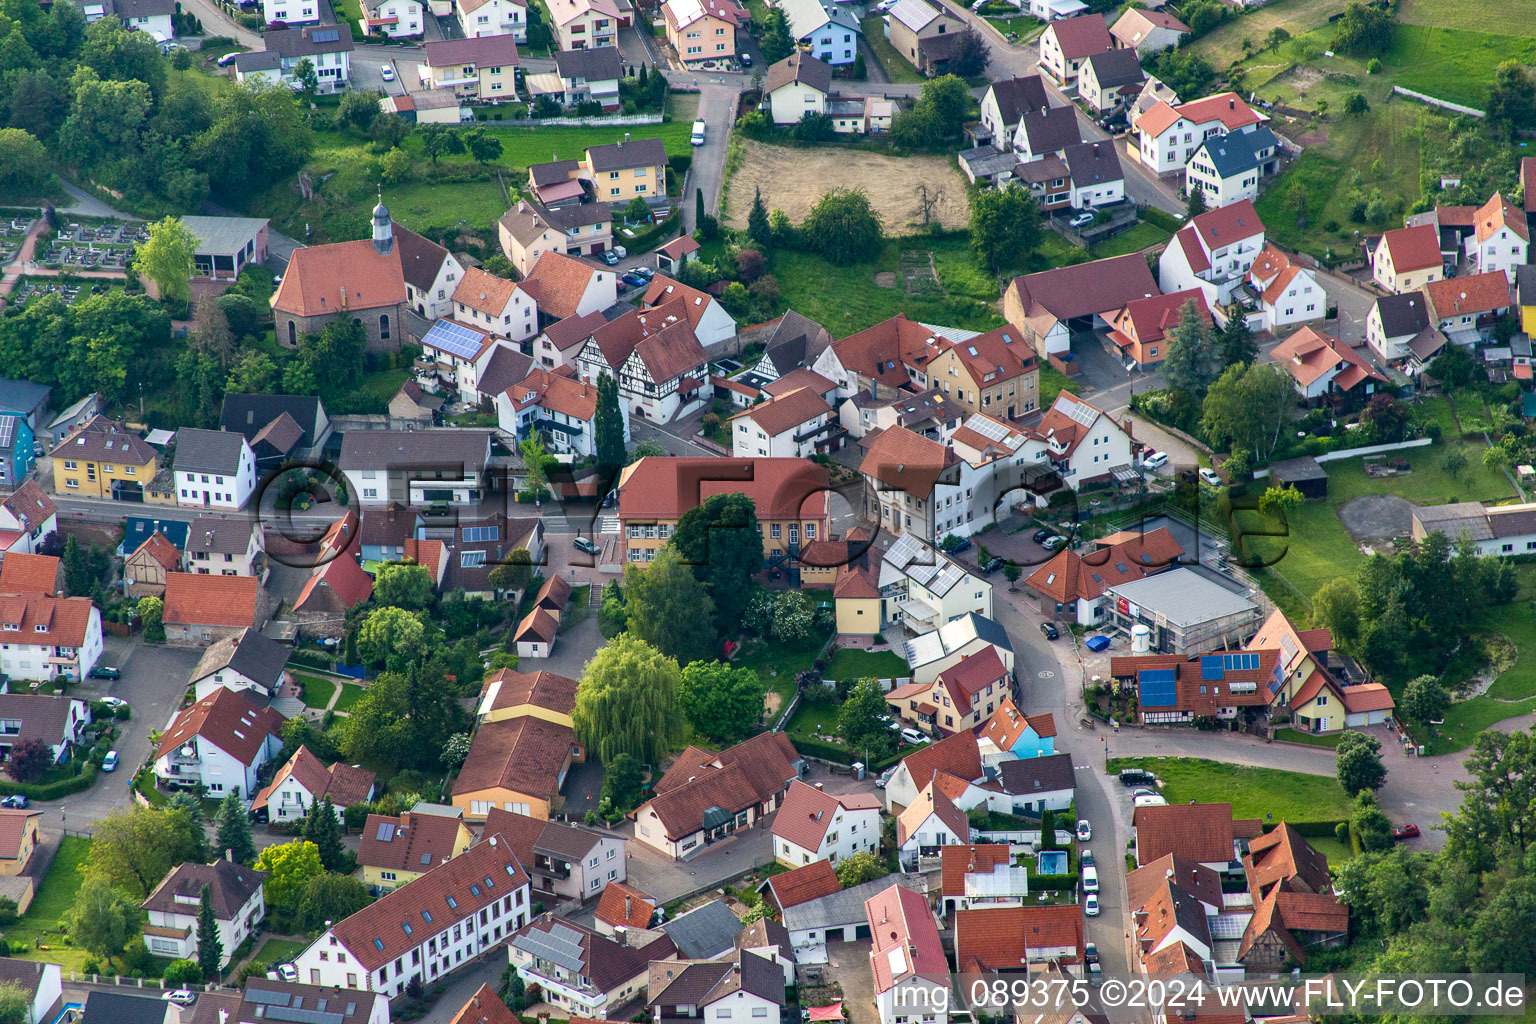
x=794, y=179
x=1504, y=17
x=1224, y=45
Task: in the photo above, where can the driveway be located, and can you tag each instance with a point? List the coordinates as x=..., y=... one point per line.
x=717, y=109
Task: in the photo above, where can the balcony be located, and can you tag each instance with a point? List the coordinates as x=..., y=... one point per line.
x=555, y=868
x=586, y=994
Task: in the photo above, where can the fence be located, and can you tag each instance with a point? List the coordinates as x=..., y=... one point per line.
x=1436, y=102
x=587, y=122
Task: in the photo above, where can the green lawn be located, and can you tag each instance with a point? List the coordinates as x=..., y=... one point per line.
x=896, y=66
x=1315, y=550
x=1252, y=792
x=317, y=691
x=54, y=898
x=1429, y=483
x=1224, y=44
x=1454, y=63
x=1052, y=381
x=1506, y=17
x=279, y=951
x=1134, y=239
x=854, y=664
x=1311, y=739
x=776, y=666
x=1336, y=852
x=1026, y=26
x=1512, y=693
x=385, y=383
x=807, y=718
x=537, y=144
x=351, y=693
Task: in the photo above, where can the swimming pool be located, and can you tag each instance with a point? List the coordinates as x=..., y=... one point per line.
x=1051, y=862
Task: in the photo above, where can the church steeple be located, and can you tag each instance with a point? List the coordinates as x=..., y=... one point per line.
x=383, y=230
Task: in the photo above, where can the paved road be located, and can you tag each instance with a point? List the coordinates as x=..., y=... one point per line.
x=717, y=109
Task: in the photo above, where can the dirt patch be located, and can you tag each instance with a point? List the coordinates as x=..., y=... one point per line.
x=885, y=279
x=1376, y=516
x=771, y=703
x=793, y=180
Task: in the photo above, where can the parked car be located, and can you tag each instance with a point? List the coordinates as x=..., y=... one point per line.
x=1054, y=543
x=387, y=73
x=961, y=544
x=913, y=736
x=582, y=544
x=620, y=287
x=1208, y=475
x=228, y=59
x=1084, y=830
x=1091, y=953
x=634, y=280
x=610, y=257
x=1408, y=831
x=1082, y=220
x=1150, y=800
x=181, y=997
x=1041, y=536
x=1091, y=905
x=16, y=801
x=1050, y=631
x=1136, y=777
x=114, y=702
x=1090, y=879
x=1155, y=460
x=746, y=59
x=1142, y=792
x=109, y=763
x=697, y=138
x=106, y=672
x=992, y=566
x=1086, y=857
x=885, y=777
x=287, y=972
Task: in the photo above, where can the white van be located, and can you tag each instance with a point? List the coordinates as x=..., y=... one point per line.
x=1090, y=879
x=698, y=133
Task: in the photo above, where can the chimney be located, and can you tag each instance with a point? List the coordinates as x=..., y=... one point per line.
x=820, y=786
x=522, y=207
x=1232, y=104
x=629, y=906
x=223, y=1016
x=621, y=933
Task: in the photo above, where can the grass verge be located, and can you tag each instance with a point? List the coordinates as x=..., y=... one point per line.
x=1252, y=792
x=896, y=66
x=279, y=951
x=1310, y=739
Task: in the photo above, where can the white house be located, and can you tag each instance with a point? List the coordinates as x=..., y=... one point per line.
x=244, y=661
x=1032, y=785
x=505, y=309
x=823, y=29
x=979, y=876
x=57, y=721
x=305, y=780
x=393, y=18
x=813, y=824
x=328, y=48
x=710, y=323
x=213, y=469
x=907, y=958
x=222, y=546
x=1171, y=134
x=290, y=12
x=1499, y=238
x=1229, y=167
x=559, y=408
x=796, y=86
x=1050, y=10
x=571, y=287
x=1093, y=168
x=492, y=18
x=1320, y=364
x=1147, y=32
x=1213, y=253
x=742, y=986
x=1068, y=43
x=220, y=741
x=456, y=912
x=1045, y=131
x=926, y=588
x=1394, y=322
x=431, y=273
x=654, y=356
x=1287, y=292
x=236, y=893
x=44, y=637
x=1083, y=442
x=27, y=517
x=152, y=17
x=796, y=424
x=928, y=824
x=1406, y=259
x=1110, y=80
x=958, y=756
x=1072, y=585
x=1005, y=101
x=43, y=983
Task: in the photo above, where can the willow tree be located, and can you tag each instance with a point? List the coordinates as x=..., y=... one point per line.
x=627, y=702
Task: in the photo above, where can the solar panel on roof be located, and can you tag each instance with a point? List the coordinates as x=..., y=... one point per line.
x=7, y=431
x=455, y=339
x=297, y=1016
x=560, y=944
x=328, y=35
x=386, y=831
x=267, y=996
x=1158, y=692
x=1211, y=667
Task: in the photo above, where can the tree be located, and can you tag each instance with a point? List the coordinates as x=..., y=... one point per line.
x=1191, y=362
x=645, y=450
x=861, y=867
x=861, y=722
x=403, y=585
x=102, y=918
x=308, y=79
x=166, y=258
x=722, y=541
x=1357, y=760
x=212, y=332
x=1236, y=343
x=776, y=42
x=1336, y=607
x=210, y=948
x=330, y=897
x=1511, y=104
x=189, y=804
x=15, y=1003
x=322, y=829
x=757, y=223
x=484, y=148
x=233, y=829
x=23, y=163
x=608, y=423
x=1454, y=463
x=1285, y=500
x=536, y=461
x=1005, y=226
x=30, y=758
x=1364, y=30
x=135, y=849
x=1011, y=572
x=1194, y=204
x=357, y=110
x=1424, y=699
x=515, y=573
x=623, y=782
x=184, y=972
x=638, y=211
x=1453, y=367
x=1355, y=105
x=439, y=140
x=1248, y=407
x=792, y=618
x=456, y=750
x=1370, y=823
x=669, y=608
x=950, y=99
x=626, y=702
x=843, y=227
x=391, y=635
x=290, y=867
x=1275, y=38
x=969, y=55
x=721, y=702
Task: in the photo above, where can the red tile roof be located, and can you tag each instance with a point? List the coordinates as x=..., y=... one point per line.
x=1082, y=36
x=664, y=488
x=971, y=674
x=226, y=719
x=484, y=292
x=345, y=784
x=161, y=550
x=1193, y=693
x=559, y=282
x=21, y=573
x=339, y=277
x=1473, y=294
x=1497, y=213
x=416, y=842
x=340, y=577
x=883, y=352
x=1415, y=248
x=1201, y=833
x=855, y=583
x=1008, y=723
x=541, y=689
x=40, y=619
x=13, y=829
x=1069, y=576
x=957, y=755
x=29, y=507
x=735, y=779
x=1282, y=857
x=555, y=392
x=908, y=462
x=1194, y=878
x=523, y=755
x=1226, y=107
x=999, y=938
x=1363, y=697
x=786, y=411
x=664, y=289
x=192, y=599
x=904, y=939
x=1148, y=320
x=807, y=812
x=378, y=924
x=1227, y=224
x=485, y=1007
x=803, y=884
x=625, y=906
x=955, y=862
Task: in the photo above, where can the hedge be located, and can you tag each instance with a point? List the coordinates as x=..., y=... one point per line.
x=1324, y=829
x=1052, y=883
x=1159, y=218
x=822, y=749
x=653, y=236
x=680, y=163
x=51, y=790
x=313, y=660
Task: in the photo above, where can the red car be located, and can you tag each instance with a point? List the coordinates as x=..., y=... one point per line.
x=1408, y=831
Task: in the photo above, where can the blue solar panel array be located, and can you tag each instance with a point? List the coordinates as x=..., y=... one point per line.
x=455, y=339
x=1215, y=666
x=1158, y=687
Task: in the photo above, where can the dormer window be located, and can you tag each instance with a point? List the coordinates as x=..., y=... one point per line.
x=41, y=627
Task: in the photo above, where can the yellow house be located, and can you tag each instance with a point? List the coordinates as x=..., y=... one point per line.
x=627, y=170
x=858, y=602
x=995, y=373
x=397, y=849
x=699, y=32
x=1406, y=259
x=475, y=69
x=519, y=765
x=507, y=694
x=18, y=840
x=103, y=460
x=1308, y=650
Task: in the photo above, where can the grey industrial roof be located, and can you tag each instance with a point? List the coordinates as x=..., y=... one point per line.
x=22, y=396
x=1182, y=596
x=706, y=932
x=208, y=451
x=403, y=449
x=846, y=907
x=1235, y=152
x=224, y=236
x=1030, y=775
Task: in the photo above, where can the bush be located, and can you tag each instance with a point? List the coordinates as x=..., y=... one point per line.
x=822, y=749
x=51, y=790
x=179, y=973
